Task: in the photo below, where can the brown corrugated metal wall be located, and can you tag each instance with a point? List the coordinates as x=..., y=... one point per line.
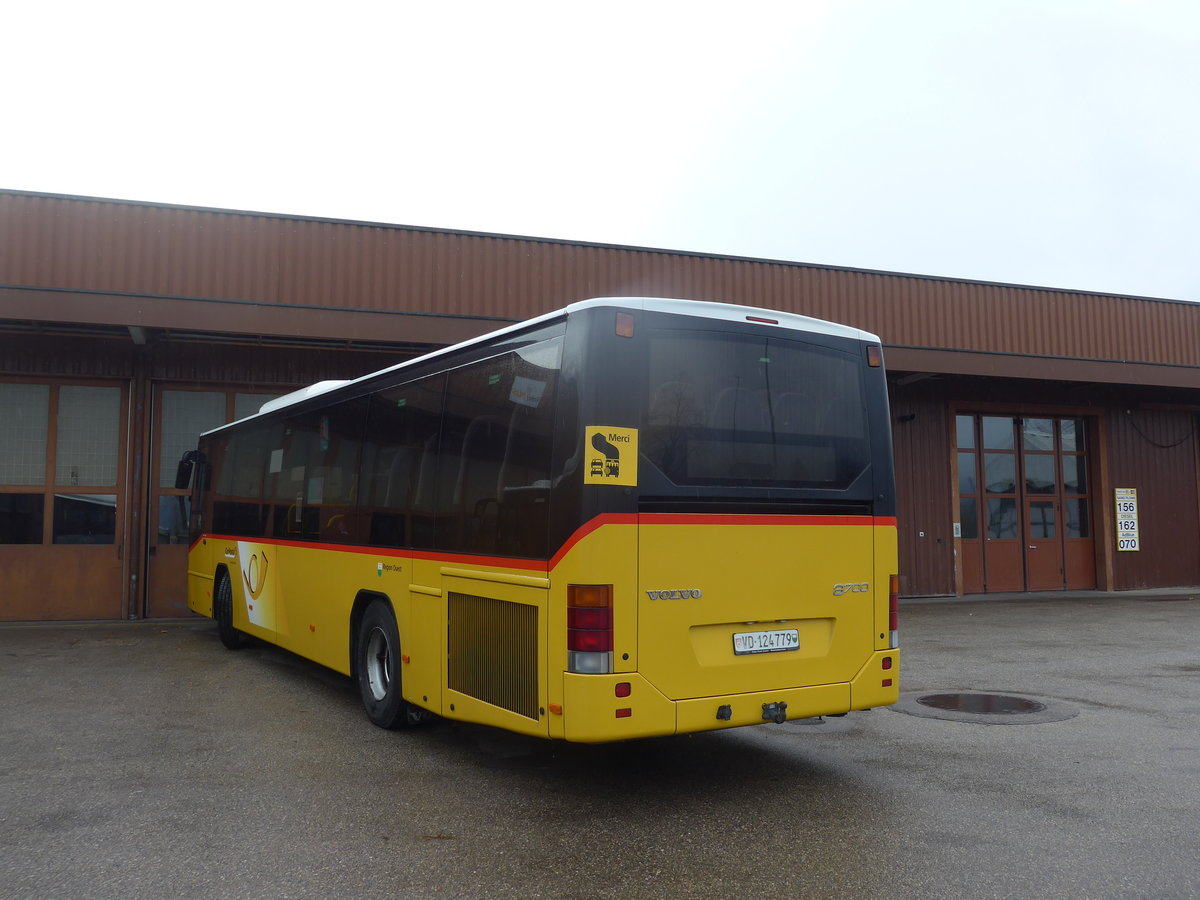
x=273, y=368
x=1157, y=452
x=92, y=245
x=920, y=432
x=337, y=285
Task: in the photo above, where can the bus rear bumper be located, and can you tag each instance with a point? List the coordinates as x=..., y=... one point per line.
x=594, y=712
x=878, y=682
x=707, y=713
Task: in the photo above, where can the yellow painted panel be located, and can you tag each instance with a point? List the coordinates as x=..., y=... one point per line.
x=590, y=704
x=700, y=584
x=868, y=689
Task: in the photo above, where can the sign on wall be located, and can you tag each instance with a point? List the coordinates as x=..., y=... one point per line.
x=1127, y=519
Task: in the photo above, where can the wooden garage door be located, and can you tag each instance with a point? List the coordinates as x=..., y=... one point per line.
x=1025, y=507
x=62, y=500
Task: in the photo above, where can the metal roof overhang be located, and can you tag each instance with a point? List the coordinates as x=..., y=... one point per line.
x=310, y=324
x=1050, y=368
x=239, y=317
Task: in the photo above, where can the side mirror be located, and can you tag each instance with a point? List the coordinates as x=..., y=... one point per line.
x=183, y=474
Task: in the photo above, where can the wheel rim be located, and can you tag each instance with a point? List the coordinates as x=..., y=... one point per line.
x=379, y=664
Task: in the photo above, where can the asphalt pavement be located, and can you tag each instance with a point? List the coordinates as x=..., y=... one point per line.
x=142, y=760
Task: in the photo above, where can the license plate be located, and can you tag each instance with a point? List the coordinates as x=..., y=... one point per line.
x=765, y=641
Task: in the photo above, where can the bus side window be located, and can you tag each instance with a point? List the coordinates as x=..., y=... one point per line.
x=240, y=481
x=474, y=501
x=317, y=490
x=400, y=463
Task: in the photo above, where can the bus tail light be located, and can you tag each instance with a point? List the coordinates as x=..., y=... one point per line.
x=894, y=611
x=589, y=629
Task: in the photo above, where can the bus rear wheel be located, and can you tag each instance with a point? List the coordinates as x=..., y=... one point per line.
x=223, y=613
x=377, y=664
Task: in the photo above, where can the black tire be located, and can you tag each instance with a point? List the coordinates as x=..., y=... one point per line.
x=377, y=663
x=223, y=613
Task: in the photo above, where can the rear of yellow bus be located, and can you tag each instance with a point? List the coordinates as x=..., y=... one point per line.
x=729, y=557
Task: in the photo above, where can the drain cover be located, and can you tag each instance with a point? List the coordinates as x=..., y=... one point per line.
x=985, y=708
x=982, y=704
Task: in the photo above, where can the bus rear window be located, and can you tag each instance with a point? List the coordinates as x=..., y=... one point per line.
x=729, y=409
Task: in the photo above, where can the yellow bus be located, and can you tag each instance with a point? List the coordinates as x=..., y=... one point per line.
x=627, y=518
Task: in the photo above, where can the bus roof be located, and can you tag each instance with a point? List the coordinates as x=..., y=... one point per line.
x=706, y=309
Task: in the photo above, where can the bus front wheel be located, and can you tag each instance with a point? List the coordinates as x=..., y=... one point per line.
x=223, y=613
x=378, y=667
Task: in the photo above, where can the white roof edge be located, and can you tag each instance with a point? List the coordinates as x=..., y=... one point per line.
x=729, y=312
x=708, y=309
x=304, y=393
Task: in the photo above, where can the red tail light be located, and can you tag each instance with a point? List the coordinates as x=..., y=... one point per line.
x=589, y=628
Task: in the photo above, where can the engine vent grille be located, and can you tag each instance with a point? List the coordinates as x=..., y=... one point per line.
x=493, y=652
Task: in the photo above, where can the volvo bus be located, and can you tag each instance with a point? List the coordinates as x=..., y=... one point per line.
x=627, y=518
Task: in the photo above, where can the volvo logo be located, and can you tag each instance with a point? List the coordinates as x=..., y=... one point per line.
x=839, y=589
x=685, y=594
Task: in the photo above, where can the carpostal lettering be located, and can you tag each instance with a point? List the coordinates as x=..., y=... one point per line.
x=685, y=594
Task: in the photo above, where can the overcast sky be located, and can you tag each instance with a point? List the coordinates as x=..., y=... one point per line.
x=1046, y=142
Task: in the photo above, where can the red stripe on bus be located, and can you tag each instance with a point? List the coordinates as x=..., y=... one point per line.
x=499, y=562
x=734, y=519
x=587, y=528
x=711, y=519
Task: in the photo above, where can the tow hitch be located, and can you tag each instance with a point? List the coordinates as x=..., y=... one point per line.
x=775, y=712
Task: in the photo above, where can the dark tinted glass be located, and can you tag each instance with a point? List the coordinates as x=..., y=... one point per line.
x=1075, y=474
x=964, y=427
x=1078, y=524
x=1073, y=434
x=968, y=516
x=1038, y=434
x=85, y=518
x=493, y=479
x=1039, y=473
x=399, y=465
x=1002, y=518
x=1041, y=519
x=997, y=433
x=966, y=474
x=725, y=409
x=243, y=469
x=173, y=513
x=1000, y=473
x=316, y=480
x=20, y=518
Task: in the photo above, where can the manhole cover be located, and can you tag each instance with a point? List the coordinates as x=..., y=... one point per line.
x=982, y=704
x=984, y=708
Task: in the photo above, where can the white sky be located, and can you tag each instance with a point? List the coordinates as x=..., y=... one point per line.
x=1047, y=142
